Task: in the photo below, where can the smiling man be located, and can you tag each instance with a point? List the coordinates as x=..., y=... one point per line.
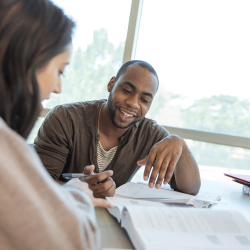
x=113, y=138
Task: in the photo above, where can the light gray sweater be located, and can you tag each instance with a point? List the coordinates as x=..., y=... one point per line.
x=35, y=212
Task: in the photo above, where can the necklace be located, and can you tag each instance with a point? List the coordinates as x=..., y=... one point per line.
x=99, y=118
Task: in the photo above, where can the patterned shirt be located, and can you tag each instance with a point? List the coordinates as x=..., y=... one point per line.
x=104, y=157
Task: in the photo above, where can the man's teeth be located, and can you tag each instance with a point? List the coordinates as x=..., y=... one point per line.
x=126, y=114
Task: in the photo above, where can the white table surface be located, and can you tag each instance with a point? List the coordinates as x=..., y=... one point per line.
x=114, y=237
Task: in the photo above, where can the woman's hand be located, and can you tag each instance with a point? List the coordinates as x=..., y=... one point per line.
x=97, y=202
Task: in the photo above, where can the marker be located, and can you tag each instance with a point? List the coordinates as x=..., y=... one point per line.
x=76, y=175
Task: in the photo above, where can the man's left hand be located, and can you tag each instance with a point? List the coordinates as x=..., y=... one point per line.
x=101, y=184
x=163, y=158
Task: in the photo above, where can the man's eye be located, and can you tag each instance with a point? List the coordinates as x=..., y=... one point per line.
x=61, y=73
x=146, y=100
x=126, y=91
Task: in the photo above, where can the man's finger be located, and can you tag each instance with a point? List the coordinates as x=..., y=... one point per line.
x=143, y=161
x=93, y=179
x=149, y=164
x=170, y=171
x=155, y=171
x=99, y=202
x=89, y=169
x=162, y=173
x=108, y=193
x=100, y=188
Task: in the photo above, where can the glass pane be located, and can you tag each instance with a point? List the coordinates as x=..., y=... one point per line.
x=98, y=42
x=35, y=129
x=215, y=160
x=201, y=52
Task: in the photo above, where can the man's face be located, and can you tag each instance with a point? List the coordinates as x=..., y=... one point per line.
x=131, y=96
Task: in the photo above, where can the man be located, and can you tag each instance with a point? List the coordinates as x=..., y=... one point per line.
x=114, y=138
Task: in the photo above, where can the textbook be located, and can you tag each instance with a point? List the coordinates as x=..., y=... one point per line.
x=162, y=227
x=143, y=192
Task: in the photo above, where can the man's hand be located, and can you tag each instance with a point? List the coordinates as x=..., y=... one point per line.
x=84, y=187
x=101, y=184
x=163, y=158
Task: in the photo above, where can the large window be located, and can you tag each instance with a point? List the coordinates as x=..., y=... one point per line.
x=98, y=48
x=98, y=43
x=201, y=51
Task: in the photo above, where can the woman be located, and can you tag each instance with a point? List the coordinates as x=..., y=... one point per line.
x=35, y=212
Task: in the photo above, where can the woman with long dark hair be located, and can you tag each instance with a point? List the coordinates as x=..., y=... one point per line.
x=36, y=212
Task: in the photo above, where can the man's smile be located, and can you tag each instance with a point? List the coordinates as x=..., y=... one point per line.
x=126, y=116
x=128, y=113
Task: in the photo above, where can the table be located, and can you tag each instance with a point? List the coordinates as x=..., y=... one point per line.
x=113, y=236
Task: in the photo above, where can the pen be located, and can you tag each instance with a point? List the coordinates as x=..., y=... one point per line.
x=74, y=175
x=68, y=176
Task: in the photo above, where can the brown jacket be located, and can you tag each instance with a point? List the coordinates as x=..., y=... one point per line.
x=67, y=142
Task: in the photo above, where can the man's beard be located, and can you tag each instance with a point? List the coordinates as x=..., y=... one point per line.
x=111, y=109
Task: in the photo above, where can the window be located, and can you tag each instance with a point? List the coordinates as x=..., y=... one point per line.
x=215, y=160
x=201, y=52
x=98, y=43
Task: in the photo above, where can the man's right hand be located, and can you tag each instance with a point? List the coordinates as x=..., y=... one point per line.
x=101, y=184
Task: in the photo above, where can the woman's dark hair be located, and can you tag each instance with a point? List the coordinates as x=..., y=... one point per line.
x=32, y=32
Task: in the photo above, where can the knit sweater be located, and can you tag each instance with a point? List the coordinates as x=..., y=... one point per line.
x=35, y=211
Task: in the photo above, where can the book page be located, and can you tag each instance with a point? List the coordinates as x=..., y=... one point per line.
x=120, y=203
x=192, y=228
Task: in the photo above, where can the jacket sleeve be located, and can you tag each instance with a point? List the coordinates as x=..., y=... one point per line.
x=36, y=212
x=54, y=140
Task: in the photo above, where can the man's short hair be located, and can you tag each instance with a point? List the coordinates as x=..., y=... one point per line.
x=142, y=64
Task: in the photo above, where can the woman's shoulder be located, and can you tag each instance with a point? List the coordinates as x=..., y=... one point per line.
x=14, y=151
x=9, y=138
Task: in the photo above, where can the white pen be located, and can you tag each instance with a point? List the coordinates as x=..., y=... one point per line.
x=74, y=175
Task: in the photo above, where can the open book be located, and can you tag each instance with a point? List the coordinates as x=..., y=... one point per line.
x=143, y=192
x=162, y=227
x=120, y=203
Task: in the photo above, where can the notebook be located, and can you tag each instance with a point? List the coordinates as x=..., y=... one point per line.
x=239, y=177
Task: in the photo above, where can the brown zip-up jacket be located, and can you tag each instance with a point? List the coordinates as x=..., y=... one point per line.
x=67, y=142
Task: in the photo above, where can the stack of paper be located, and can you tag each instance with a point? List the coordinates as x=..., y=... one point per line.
x=143, y=192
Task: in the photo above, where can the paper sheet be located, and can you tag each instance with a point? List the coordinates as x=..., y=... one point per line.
x=192, y=228
x=142, y=191
x=120, y=203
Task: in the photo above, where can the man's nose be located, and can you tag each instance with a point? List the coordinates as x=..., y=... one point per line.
x=133, y=101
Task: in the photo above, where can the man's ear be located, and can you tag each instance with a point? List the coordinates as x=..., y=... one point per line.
x=111, y=83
